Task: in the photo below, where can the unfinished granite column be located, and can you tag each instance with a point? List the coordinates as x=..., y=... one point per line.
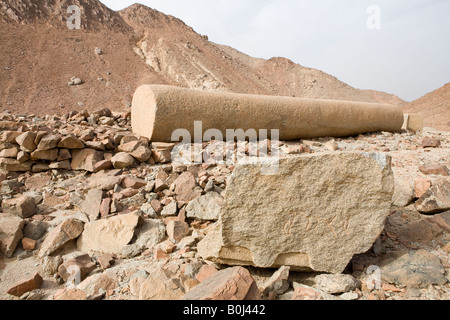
x=159, y=110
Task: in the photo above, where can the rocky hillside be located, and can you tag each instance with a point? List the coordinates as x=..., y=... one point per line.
x=114, y=52
x=81, y=192
x=434, y=107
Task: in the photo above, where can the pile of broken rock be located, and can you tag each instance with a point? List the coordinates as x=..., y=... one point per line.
x=91, y=211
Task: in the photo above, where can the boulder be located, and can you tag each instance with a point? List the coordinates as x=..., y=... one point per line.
x=315, y=213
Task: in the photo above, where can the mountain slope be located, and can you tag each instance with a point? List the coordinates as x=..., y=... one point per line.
x=40, y=54
x=434, y=107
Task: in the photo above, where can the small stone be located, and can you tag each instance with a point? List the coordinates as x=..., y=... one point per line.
x=108, y=235
x=170, y=210
x=68, y=230
x=436, y=199
x=206, y=272
x=98, y=283
x=22, y=157
x=92, y=203
x=278, y=283
x=134, y=183
x=331, y=145
x=10, y=233
x=13, y=165
x=26, y=141
x=106, y=261
x=122, y=160
x=160, y=185
x=105, y=207
x=74, y=81
x=50, y=264
x=28, y=244
x=64, y=154
x=230, y=284
x=102, y=165
x=184, y=187
x=70, y=142
x=430, y=142
x=22, y=206
x=160, y=254
x=421, y=186
x=142, y=153
x=403, y=192
x=50, y=155
x=104, y=183
x=27, y=285
x=206, y=207
x=150, y=233
x=71, y=295
x=35, y=229
x=413, y=269
x=438, y=170
x=177, y=230
x=9, y=153
x=336, y=283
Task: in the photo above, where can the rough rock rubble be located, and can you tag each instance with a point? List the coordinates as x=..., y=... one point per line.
x=91, y=211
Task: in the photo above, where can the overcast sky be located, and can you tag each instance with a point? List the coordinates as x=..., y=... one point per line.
x=406, y=54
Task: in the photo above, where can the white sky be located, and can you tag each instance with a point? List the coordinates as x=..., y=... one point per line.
x=409, y=55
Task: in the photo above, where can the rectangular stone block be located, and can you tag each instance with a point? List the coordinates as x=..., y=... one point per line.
x=316, y=213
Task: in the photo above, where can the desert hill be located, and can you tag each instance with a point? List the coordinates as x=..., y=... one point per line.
x=114, y=52
x=435, y=108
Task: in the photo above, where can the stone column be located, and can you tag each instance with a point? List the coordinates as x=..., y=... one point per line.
x=159, y=110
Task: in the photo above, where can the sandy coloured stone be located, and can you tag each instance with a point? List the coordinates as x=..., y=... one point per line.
x=85, y=159
x=50, y=155
x=49, y=141
x=315, y=213
x=68, y=230
x=22, y=206
x=10, y=233
x=13, y=165
x=26, y=141
x=70, y=142
x=159, y=110
x=32, y=283
x=122, y=160
x=230, y=284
